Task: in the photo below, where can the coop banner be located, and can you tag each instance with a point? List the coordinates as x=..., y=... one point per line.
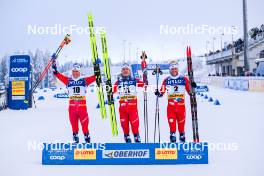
x=202, y=88
x=137, y=67
x=125, y=154
x=19, y=82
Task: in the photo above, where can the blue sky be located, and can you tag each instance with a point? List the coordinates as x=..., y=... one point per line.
x=138, y=22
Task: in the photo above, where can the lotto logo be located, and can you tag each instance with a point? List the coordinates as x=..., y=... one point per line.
x=84, y=154
x=166, y=154
x=15, y=70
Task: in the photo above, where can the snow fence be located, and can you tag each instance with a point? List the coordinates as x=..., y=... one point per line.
x=238, y=83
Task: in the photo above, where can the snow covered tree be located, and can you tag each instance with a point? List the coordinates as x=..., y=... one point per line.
x=38, y=65
x=4, y=70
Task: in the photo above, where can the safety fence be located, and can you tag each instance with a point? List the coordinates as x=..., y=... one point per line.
x=237, y=83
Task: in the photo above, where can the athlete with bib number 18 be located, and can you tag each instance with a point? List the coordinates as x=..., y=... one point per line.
x=76, y=86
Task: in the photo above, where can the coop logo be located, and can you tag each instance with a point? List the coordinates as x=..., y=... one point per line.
x=62, y=95
x=193, y=157
x=151, y=67
x=84, y=154
x=202, y=89
x=112, y=154
x=15, y=70
x=57, y=157
x=166, y=154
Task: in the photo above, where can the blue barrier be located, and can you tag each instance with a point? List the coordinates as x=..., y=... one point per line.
x=137, y=67
x=202, y=89
x=41, y=98
x=244, y=85
x=239, y=83
x=61, y=95
x=125, y=154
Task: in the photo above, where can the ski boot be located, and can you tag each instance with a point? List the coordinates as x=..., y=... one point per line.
x=87, y=138
x=173, y=137
x=127, y=138
x=182, y=137
x=137, y=138
x=75, y=138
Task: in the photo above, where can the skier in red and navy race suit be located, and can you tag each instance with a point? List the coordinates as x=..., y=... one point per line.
x=175, y=85
x=126, y=86
x=76, y=86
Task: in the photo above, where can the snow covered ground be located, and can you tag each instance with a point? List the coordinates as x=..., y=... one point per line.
x=236, y=123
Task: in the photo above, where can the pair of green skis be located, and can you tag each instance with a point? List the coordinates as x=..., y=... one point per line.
x=97, y=72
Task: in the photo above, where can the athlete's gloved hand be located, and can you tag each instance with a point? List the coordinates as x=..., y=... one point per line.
x=157, y=93
x=193, y=84
x=54, y=67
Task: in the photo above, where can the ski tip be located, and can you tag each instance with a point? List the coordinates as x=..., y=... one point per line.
x=90, y=15
x=188, y=51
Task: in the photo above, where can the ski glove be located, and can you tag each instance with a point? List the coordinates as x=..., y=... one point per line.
x=193, y=84
x=157, y=93
x=54, y=66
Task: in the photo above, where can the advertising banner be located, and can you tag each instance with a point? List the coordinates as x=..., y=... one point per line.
x=19, y=82
x=125, y=154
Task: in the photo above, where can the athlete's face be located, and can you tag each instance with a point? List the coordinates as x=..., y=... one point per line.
x=125, y=72
x=76, y=74
x=174, y=71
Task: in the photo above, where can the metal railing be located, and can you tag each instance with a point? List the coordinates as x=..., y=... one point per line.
x=237, y=49
x=220, y=55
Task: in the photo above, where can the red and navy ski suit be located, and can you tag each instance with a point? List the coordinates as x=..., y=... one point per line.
x=175, y=88
x=126, y=87
x=77, y=101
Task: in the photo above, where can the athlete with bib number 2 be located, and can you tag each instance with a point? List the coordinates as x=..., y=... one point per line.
x=76, y=86
x=175, y=85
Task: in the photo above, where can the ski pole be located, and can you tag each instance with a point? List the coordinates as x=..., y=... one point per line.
x=157, y=72
x=65, y=41
x=144, y=71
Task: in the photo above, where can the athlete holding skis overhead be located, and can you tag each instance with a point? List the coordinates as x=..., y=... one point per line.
x=175, y=85
x=126, y=87
x=76, y=86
